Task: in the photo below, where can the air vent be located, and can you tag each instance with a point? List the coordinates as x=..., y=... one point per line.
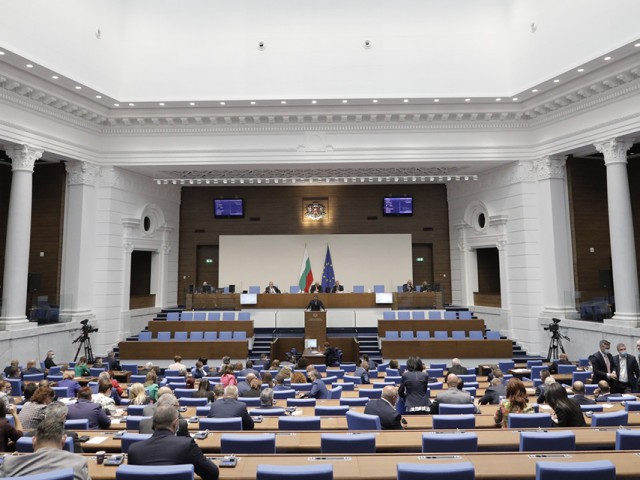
x=372, y=218
x=199, y=230
x=254, y=219
x=427, y=229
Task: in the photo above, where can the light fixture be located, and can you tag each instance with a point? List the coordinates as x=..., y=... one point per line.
x=431, y=179
x=224, y=180
x=275, y=180
x=1, y=52
x=207, y=181
x=116, y=104
x=223, y=103
x=181, y=182
x=535, y=90
x=345, y=101
x=174, y=182
x=498, y=99
x=606, y=59
x=467, y=99
x=395, y=179
x=283, y=102
x=346, y=179
x=253, y=103
x=557, y=80
x=413, y=179
x=78, y=87
x=314, y=101
x=436, y=100
x=637, y=45
x=29, y=65
x=514, y=99
x=132, y=104
x=448, y=179
x=242, y=180
x=190, y=182
x=158, y=182
x=161, y=104
x=466, y=177
x=98, y=96
x=379, y=179
x=374, y=100
x=406, y=100
x=422, y=179
x=55, y=77
x=166, y=182
x=328, y=179
x=293, y=180
x=361, y=179
x=580, y=70
x=193, y=104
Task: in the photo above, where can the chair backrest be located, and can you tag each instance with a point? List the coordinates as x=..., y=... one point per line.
x=423, y=335
x=130, y=367
x=135, y=409
x=449, y=442
x=331, y=410
x=196, y=336
x=418, y=315
x=34, y=377
x=183, y=392
x=133, y=422
x=55, y=370
x=181, y=336
x=335, y=393
x=264, y=443
x=458, y=335
x=406, y=335
x=16, y=386
x=25, y=445
x=464, y=315
x=226, y=335
x=213, y=316
x=404, y=315
x=389, y=315
x=476, y=335
x=186, y=316
x=210, y=336
x=301, y=402
x=347, y=443
x=547, y=441
x=289, y=393
x=267, y=412
x=440, y=335
x=173, y=316
x=531, y=363
x=79, y=424
x=506, y=366
x=370, y=392
x=583, y=362
x=580, y=376
x=228, y=316
x=566, y=369
x=61, y=391
x=129, y=439
x=144, y=336
x=137, y=378
x=450, y=315
x=536, y=369
x=348, y=367
x=436, y=315
x=221, y=424
x=633, y=406
x=453, y=421
x=529, y=420
x=362, y=421
x=592, y=408
x=598, y=470
x=354, y=402
x=323, y=471
x=378, y=289
x=612, y=419
x=294, y=289
x=194, y=402
x=239, y=335
x=438, y=365
x=298, y=423
x=452, y=409
x=627, y=439
x=358, y=289
x=452, y=471
x=157, y=472
x=492, y=335
x=244, y=315
x=391, y=335
x=254, y=289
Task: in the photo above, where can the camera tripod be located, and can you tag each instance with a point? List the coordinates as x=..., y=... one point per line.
x=85, y=342
x=554, y=344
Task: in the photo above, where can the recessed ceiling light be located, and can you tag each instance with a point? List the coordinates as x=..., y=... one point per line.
x=223, y=103
x=535, y=90
x=406, y=100
x=1, y=52
x=514, y=99
x=345, y=101
x=192, y=104
x=253, y=103
x=580, y=70
x=607, y=59
x=637, y=45
x=436, y=100
x=467, y=99
x=557, y=80
x=55, y=77
x=283, y=102
x=98, y=96
x=161, y=104
x=78, y=87
x=314, y=101
x=498, y=99
x=375, y=101
x=29, y=65
x=116, y=104
x=132, y=104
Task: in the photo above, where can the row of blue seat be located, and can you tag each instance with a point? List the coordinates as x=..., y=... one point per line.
x=441, y=335
x=146, y=336
x=202, y=316
x=431, y=315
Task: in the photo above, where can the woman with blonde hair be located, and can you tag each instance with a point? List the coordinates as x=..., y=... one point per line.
x=517, y=401
x=70, y=383
x=138, y=395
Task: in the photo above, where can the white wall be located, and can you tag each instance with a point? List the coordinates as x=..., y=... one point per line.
x=368, y=260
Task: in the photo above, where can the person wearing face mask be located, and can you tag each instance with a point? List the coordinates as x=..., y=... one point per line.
x=604, y=368
x=48, y=362
x=628, y=371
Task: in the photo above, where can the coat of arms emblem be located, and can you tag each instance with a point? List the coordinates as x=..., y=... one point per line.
x=315, y=211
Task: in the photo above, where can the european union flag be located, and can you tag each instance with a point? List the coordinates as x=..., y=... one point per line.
x=328, y=275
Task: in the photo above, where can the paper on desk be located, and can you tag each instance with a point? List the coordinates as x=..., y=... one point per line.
x=544, y=407
x=520, y=370
x=96, y=440
x=295, y=413
x=607, y=405
x=115, y=420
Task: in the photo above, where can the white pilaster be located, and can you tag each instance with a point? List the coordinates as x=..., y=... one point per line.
x=78, y=248
x=16, y=258
x=623, y=250
x=555, y=237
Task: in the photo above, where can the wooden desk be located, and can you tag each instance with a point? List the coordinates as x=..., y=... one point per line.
x=154, y=349
x=349, y=346
x=429, y=325
x=156, y=326
x=417, y=300
x=447, y=348
x=212, y=301
x=488, y=466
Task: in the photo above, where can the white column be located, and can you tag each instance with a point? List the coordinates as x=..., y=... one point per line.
x=78, y=246
x=16, y=257
x=555, y=237
x=623, y=250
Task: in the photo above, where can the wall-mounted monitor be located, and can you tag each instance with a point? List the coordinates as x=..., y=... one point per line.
x=228, y=208
x=311, y=343
x=397, y=206
x=384, y=298
x=248, y=299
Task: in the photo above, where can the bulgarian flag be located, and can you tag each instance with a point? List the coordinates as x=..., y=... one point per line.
x=306, y=276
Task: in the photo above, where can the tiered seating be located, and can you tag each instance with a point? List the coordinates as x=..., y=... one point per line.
x=426, y=314
x=203, y=316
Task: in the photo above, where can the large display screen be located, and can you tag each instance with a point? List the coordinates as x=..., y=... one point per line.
x=398, y=206
x=232, y=208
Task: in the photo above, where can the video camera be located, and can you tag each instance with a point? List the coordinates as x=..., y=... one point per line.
x=87, y=329
x=553, y=327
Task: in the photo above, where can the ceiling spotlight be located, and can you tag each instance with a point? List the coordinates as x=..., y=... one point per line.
x=448, y=179
x=367, y=44
x=78, y=87
x=1, y=52
x=161, y=104
x=223, y=103
x=436, y=100
x=422, y=179
x=233, y=180
x=431, y=179
x=314, y=101
x=207, y=181
x=345, y=101
x=406, y=100
x=283, y=102
x=224, y=180
x=395, y=179
x=190, y=182
x=498, y=99
x=310, y=180
x=55, y=77
x=606, y=59
x=158, y=182
x=637, y=45
x=514, y=99
x=535, y=90
x=439, y=179
x=379, y=179
x=328, y=179
x=181, y=182
x=215, y=181
x=557, y=80
x=413, y=179
x=580, y=70
x=361, y=179
x=174, y=182
x=242, y=180
x=192, y=104
x=466, y=177
x=29, y=65
x=116, y=104
x=467, y=99
x=98, y=96
x=259, y=181
x=275, y=180
x=346, y=179
x=132, y=104
x=293, y=180
x=166, y=182
x=253, y=103
x=374, y=100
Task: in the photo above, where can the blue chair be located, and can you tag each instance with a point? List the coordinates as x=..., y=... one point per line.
x=250, y=401
x=239, y=335
x=60, y=391
x=422, y=335
x=335, y=393
x=404, y=315
x=532, y=363
x=25, y=445
x=213, y=316
x=627, y=439
x=438, y=365
x=186, y=316
x=392, y=372
x=449, y=442
x=348, y=367
x=144, y=336
x=455, y=409
x=94, y=387
x=173, y=316
x=391, y=335
x=566, y=369
x=476, y=335
x=468, y=378
x=244, y=316
x=130, y=367
x=55, y=370
x=632, y=406
x=535, y=371
x=435, y=372
x=133, y=422
x=16, y=386
x=52, y=378
x=464, y=315
x=79, y=424
x=35, y=377
x=298, y=423
x=323, y=471
x=264, y=443
x=196, y=336
x=592, y=408
x=346, y=443
x=613, y=419
x=183, y=393
x=580, y=376
x=418, y=315
x=370, y=393
x=194, y=402
x=129, y=439
x=459, y=335
x=327, y=411
x=492, y=335
x=135, y=409
x=358, y=289
x=210, y=336
x=378, y=289
x=199, y=316
x=228, y=316
x=590, y=389
x=226, y=335
x=435, y=315
x=529, y=420
x=301, y=402
x=389, y=315
x=547, y=441
x=181, y=336
x=226, y=290
x=598, y=470
x=354, y=402
x=406, y=335
x=254, y=289
x=64, y=474
x=362, y=421
x=159, y=472
x=450, y=315
x=221, y=424
x=436, y=471
x=506, y=366
x=267, y=412
x=294, y=289
x=440, y=335
x=436, y=385
x=444, y=422
x=203, y=411
x=583, y=362
x=279, y=394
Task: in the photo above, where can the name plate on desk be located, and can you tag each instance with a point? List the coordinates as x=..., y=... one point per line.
x=439, y=457
x=550, y=455
x=330, y=459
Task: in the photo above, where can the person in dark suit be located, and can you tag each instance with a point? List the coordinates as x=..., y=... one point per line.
x=264, y=361
x=254, y=391
x=604, y=367
x=31, y=369
x=266, y=399
x=603, y=392
x=85, y=408
x=385, y=408
x=279, y=383
x=337, y=288
x=628, y=371
x=563, y=360
x=579, y=392
x=567, y=410
x=457, y=368
x=229, y=407
x=58, y=411
x=271, y=289
x=166, y=399
x=164, y=448
x=48, y=362
x=315, y=305
x=453, y=395
x=493, y=393
x=414, y=387
x=318, y=388
x=408, y=287
x=315, y=288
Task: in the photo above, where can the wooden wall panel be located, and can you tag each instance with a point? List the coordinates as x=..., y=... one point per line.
x=353, y=209
x=488, y=270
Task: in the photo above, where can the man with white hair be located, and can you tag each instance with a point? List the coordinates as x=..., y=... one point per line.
x=229, y=406
x=166, y=400
x=385, y=408
x=457, y=368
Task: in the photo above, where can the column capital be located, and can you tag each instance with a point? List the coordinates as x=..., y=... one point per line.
x=81, y=173
x=23, y=157
x=614, y=150
x=551, y=166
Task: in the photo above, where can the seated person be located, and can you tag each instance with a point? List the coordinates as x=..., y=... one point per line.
x=245, y=385
x=493, y=393
x=264, y=361
x=408, y=287
x=117, y=389
x=177, y=363
x=543, y=376
x=103, y=397
x=425, y=287
x=254, y=391
x=48, y=362
x=204, y=391
x=579, y=391
x=98, y=363
x=198, y=370
x=69, y=382
x=32, y=412
x=362, y=371
x=81, y=368
x=271, y=288
x=567, y=411
x=385, y=408
x=113, y=363
x=8, y=431
x=603, y=392
x=266, y=399
x=86, y=409
x=229, y=406
x=517, y=401
x=31, y=369
x=337, y=288
x=7, y=369
x=58, y=411
x=457, y=368
x=165, y=400
x=279, y=382
x=563, y=360
x=453, y=395
x=315, y=288
x=318, y=388
x=543, y=388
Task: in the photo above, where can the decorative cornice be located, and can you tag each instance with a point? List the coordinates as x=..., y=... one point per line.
x=614, y=150
x=23, y=157
x=551, y=166
x=81, y=173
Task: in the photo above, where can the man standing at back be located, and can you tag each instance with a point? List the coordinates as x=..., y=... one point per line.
x=229, y=407
x=165, y=448
x=628, y=371
x=603, y=365
x=385, y=408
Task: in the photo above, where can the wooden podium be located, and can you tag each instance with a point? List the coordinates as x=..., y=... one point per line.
x=315, y=326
